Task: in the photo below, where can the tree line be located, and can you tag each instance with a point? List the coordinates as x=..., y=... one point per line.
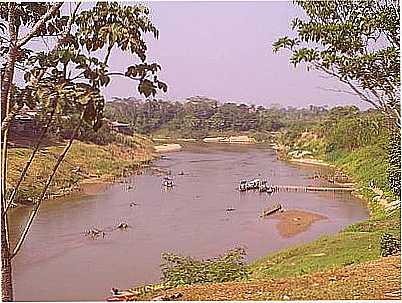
x=201, y=116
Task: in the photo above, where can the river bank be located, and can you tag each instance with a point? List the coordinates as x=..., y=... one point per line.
x=362, y=171
x=227, y=139
x=360, y=242
x=371, y=280
x=231, y=139
x=87, y=167
x=168, y=147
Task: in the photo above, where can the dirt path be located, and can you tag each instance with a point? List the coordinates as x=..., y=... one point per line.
x=375, y=280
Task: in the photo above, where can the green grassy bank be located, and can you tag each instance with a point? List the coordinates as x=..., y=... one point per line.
x=357, y=243
x=85, y=162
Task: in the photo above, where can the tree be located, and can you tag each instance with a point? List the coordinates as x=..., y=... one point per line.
x=64, y=78
x=356, y=42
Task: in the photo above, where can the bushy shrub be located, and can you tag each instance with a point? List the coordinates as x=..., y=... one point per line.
x=102, y=136
x=389, y=245
x=179, y=270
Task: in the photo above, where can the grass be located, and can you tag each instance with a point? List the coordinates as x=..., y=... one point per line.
x=357, y=243
x=365, y=165
x=83, y=162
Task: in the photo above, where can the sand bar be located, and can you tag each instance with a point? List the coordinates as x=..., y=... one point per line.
x=232, y=139
x=294, y=221
x=310, y=161
x=169, y=147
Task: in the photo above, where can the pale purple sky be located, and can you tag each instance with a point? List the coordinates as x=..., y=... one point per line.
x=223, y=50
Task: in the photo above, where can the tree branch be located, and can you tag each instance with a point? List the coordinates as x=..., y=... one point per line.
x=29, y=162
x=123, y=75
x=109, y=49
x=8, y=74
x=53, y=9
x=347, y=82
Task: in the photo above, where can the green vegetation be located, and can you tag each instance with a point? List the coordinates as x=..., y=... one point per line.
x=357, y=243
x=357, y=143
x=355, y=42
x=85, y=162
x=178, y=270
x=365, y=145
x=199, y=117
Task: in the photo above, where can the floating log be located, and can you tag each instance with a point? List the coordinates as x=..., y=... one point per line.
x=271, y=211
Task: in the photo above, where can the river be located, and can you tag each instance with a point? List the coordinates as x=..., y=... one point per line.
x=59, y=263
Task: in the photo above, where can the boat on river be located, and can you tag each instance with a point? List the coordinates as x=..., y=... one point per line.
x=253, y=184
x=132, y=294
x=243, y=185
x=248, y=185
x=275, y=208
x=263, y=186
x=269, y=190
x=168, y=182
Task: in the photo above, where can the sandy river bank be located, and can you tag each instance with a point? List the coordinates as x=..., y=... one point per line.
x=168, y=147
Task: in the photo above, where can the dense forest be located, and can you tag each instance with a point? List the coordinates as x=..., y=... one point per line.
x=198, y=117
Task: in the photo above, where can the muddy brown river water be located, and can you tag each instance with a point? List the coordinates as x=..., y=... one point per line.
x=58, y=263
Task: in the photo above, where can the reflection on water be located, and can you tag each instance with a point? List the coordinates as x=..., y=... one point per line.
x=59, y=263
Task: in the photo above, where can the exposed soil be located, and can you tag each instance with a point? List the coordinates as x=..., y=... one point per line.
x=374, y=280
x=293, y=221
x=169, y=147
x=230, y=139
x=18, y=139
x=93, y=188
x=310, y=161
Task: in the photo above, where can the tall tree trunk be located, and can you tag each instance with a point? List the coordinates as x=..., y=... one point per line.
x=8, y=74
x=6, y=276
x=6, y=82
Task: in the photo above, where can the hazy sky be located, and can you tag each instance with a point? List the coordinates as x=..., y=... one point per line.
x=223, y=50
